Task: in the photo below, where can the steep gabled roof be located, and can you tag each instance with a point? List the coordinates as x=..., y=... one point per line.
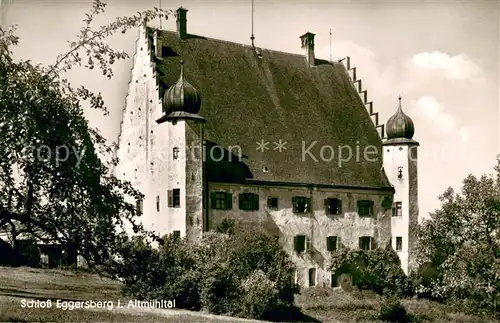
x=248, y=98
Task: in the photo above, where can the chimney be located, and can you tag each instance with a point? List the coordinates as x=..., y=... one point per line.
x=307, y=41
x=182, y=23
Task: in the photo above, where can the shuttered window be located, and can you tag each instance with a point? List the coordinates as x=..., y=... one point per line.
x=365, y=208
x=301, y=204
x=333, y=243
x=176, y=197
x=397, y=209
x=170, y=198
x=300, y=243
x=221, y=200
x=366, y=243
x=333, y=206
x=173, y=197
x=248, y=201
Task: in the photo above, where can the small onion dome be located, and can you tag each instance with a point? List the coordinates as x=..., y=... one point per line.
x=399, y=125
x=181, y=97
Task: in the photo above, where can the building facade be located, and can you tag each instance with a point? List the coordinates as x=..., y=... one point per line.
x=282, y=141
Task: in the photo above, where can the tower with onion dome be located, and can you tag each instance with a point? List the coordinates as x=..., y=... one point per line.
x=185, y=178
x=400, y=164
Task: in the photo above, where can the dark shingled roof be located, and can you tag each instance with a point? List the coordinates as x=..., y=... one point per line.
x=246, y=98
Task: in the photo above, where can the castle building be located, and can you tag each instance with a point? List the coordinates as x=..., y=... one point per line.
x=215, y=130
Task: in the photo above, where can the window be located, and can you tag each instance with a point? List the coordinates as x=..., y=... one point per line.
x=177, y=234
x=138, y=206
x=397, y=209
x=158, y=203
x=175, y=153
x=301, y=204
x=302, y=243
x=365, y=243
x=365, y=208
x=334, y=280
x=249, y=202
x=312, y=277
x=221, y=201
x=333, y=206
x=399, y=243
x=272, y=202
x=332, y=243
x=177, y=197
x=174, y=197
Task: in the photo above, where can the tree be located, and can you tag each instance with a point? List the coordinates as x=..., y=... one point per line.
x=53, y=184
x=462, y=241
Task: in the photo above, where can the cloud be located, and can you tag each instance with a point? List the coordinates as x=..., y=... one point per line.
x=432, y=110
x=465, y=133
x=361, y=57
x=382, y=81
x=459, y=67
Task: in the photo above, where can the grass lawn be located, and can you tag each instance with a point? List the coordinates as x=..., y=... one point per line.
x=18, y=284
x=324, y=305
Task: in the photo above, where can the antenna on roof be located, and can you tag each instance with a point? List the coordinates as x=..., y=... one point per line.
x=160, y=9
x=252, y=36
x=330, y=44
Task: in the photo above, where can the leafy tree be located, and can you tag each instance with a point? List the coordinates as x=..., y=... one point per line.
x=53, y=184
x=462, y=241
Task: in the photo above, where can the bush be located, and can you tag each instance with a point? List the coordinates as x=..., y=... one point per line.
x=424, y=280
x=259, y=295
x=391, y=310
x=246, y=274
x=226, y=226
x=377, y=270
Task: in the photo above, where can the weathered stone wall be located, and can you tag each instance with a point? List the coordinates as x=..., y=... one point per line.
x=317, y=225
x=194, y=181
x=406, y=192
x=413, y=208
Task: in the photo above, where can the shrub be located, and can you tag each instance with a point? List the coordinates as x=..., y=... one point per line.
x=391, y=310
x=246, y=274
x=424, y=280
x=226, y=226
x=377, y=270
x=259, y=295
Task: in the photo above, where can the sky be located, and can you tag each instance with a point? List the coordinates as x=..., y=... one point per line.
x=441, y=56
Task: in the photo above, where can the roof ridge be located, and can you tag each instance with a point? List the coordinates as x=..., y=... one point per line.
x=239, y=44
